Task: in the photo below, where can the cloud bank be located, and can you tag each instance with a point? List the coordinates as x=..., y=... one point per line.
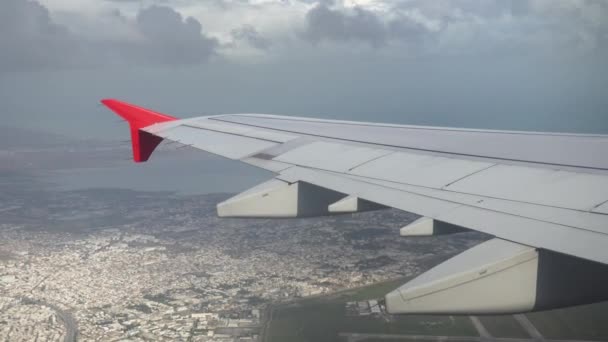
x=31, y=40
x=47, y=34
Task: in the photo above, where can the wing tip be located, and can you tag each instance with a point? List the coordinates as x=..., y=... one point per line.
x=142, y=143
x=135, y=115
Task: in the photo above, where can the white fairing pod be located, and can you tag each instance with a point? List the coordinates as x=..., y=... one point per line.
x=426, y=226
x=500, y=277
x=353, y=204
x=496, y=276
x=279, y=199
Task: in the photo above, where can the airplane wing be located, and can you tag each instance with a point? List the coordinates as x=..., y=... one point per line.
x=543, y=196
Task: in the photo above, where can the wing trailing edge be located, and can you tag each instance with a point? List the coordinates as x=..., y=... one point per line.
x=142, y=143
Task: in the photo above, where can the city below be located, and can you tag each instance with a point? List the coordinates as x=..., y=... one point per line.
x=109, y=264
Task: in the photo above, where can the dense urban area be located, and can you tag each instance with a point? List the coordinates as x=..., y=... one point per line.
x=106, y=264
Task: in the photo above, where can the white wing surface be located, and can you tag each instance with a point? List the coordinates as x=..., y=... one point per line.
x=542, y=195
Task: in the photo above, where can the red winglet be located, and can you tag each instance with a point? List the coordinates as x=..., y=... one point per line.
x=143, y=143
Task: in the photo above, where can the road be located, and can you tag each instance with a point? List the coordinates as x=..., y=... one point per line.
x=481, y=329
x=71, y=327
x=530, y=328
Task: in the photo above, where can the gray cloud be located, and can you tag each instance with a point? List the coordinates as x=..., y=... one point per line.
x=466, y=9
x=169, y=39
x=467, y=26
x=31, y=40
x=325, y=23
x=29, y=37
x=251, y=36
x=359, y=24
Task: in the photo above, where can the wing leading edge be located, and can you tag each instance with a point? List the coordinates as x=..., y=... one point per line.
x=542, y=195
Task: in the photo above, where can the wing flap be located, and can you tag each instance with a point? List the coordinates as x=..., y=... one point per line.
x=583, y=243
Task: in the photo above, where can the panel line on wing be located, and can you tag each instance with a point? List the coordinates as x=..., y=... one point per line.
x=599, y=205
x=602, y=209
x=371, y=160
x=469, y=175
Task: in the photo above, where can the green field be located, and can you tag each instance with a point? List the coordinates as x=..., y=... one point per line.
x=503, y=326
x=322, y=319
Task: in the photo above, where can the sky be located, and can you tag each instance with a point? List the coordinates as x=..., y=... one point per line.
x=501, y=64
